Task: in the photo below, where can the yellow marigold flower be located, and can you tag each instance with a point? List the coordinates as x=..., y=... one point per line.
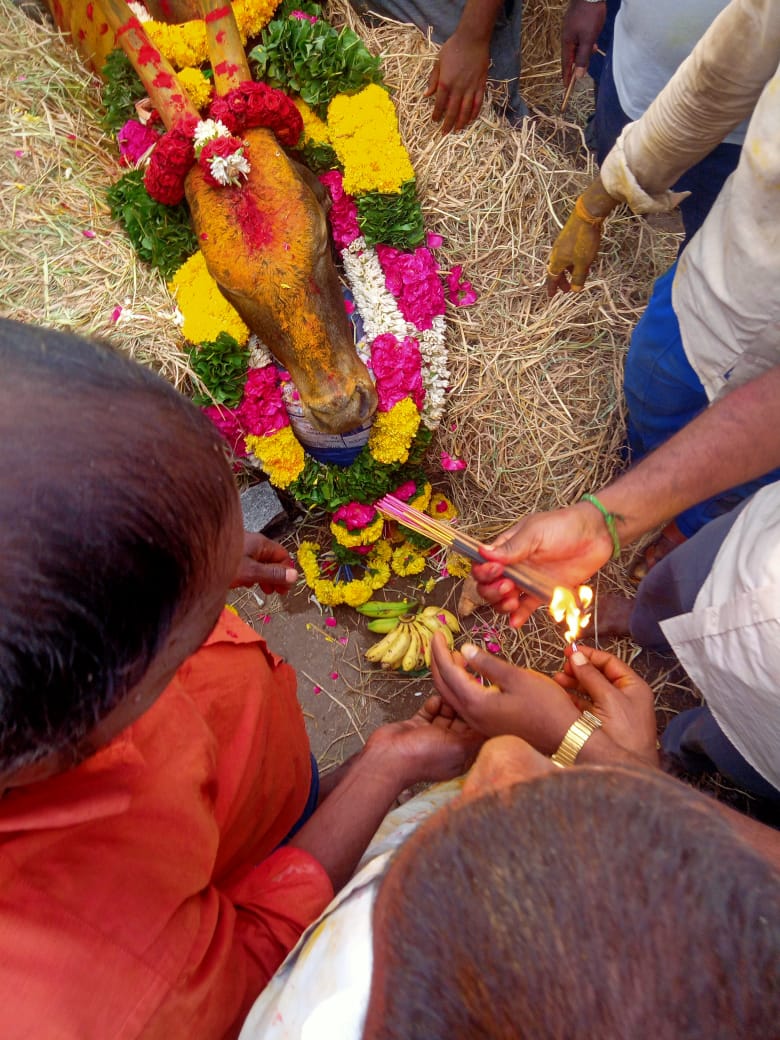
x=206, y=311
x=365, y=536
x=407, y=559
x=458, y=566
x=281, y=455
x=440, y=508
x=198, y=87
x=393, y=432
x=423, y=497
x=364, y=133
x=356, y=593
x=185, y=45
x=314, y=128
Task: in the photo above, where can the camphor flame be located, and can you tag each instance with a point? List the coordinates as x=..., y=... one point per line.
x=564, y=607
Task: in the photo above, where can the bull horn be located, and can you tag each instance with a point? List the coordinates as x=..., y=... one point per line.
x=157, y=75
x=226, y=49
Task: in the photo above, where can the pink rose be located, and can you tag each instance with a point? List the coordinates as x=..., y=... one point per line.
x=355, y=516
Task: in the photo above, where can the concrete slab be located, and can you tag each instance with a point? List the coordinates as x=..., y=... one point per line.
x=261, y=507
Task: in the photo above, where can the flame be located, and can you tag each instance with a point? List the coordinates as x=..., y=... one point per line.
x=564, y=606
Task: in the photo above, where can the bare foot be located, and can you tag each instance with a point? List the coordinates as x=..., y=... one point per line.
x=666, y=542
x=611, y=617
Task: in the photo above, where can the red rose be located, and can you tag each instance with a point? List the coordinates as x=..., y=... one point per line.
x=171, y=160
x=220, y=109
x=223, y=147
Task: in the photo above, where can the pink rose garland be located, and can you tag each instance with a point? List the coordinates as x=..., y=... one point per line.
x=413, y=278
x=343, y=211
x=397, y=369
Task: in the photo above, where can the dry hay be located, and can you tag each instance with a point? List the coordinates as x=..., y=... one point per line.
x=56, y=165
x=536, y=402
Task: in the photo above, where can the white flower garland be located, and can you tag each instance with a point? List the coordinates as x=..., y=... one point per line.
x=379, y=311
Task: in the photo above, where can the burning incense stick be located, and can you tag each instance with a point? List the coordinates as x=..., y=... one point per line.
x=527, y=578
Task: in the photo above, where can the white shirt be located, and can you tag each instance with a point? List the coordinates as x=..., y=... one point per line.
x=729, y=643
x=726, y=293
x=321, y=991
x=650, y=41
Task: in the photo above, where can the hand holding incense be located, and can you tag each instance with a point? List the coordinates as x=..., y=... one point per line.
x=530, y=580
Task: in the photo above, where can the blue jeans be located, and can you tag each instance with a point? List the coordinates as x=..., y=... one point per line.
x=704, y=180
x=311, y=802
x=663, y=394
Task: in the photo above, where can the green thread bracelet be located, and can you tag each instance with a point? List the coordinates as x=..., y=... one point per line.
x=610, y=519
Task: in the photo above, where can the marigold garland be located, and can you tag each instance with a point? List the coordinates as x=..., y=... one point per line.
x=351, y=591
x=364, y=133
x=363, y=536
x=199, y=88
x=206, y=311
x=393, y=432
x=185, y=45
x=407, y=560
x=281, y=454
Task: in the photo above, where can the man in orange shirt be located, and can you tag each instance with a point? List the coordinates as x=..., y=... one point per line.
x=153, y=757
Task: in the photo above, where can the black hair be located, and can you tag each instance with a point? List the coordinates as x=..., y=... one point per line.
x=114, y=493
x=591, y=903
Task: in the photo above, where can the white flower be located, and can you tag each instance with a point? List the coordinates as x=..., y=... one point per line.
x=229, y=170
x=259, y=354
x=139, y=11
x=207, y=130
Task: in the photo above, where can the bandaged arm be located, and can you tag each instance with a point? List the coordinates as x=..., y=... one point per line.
x=714, y=89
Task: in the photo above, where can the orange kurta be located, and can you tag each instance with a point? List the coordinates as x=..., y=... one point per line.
x=139, y=892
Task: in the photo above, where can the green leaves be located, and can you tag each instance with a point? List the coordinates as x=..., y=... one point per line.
x=120, y=91
x=161, y=235
x=396, y=220
x=313, y=59
x=328, y=487
x=319, y=157
x=221, y=365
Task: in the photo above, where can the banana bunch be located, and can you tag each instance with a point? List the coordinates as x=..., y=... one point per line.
x=407, y=642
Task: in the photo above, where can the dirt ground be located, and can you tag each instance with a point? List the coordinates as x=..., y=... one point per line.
x=344, y=698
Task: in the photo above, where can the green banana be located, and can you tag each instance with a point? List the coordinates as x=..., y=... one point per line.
x=382, y=624
x=383, y=608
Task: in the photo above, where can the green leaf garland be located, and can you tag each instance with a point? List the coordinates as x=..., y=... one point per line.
x=161, y=235
x=221, y=365
x=396, y=220
x=121, y=90
x=313, y=59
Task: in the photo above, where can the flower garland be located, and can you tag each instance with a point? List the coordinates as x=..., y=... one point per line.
x=393, y=278
x=213, y=143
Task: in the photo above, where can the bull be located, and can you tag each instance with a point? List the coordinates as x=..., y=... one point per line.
x=265, y=242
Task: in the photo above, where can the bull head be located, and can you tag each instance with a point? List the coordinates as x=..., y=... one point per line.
x=265, y=242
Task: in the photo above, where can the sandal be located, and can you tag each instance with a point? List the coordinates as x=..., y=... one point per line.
x=667, y=540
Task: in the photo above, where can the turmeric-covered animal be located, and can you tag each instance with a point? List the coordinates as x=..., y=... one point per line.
x=265, y=241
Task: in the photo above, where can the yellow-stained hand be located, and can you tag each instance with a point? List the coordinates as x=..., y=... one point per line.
x=573, y=251
x=577, y=246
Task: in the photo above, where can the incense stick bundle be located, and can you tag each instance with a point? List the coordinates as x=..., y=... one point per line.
x=527, y=578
